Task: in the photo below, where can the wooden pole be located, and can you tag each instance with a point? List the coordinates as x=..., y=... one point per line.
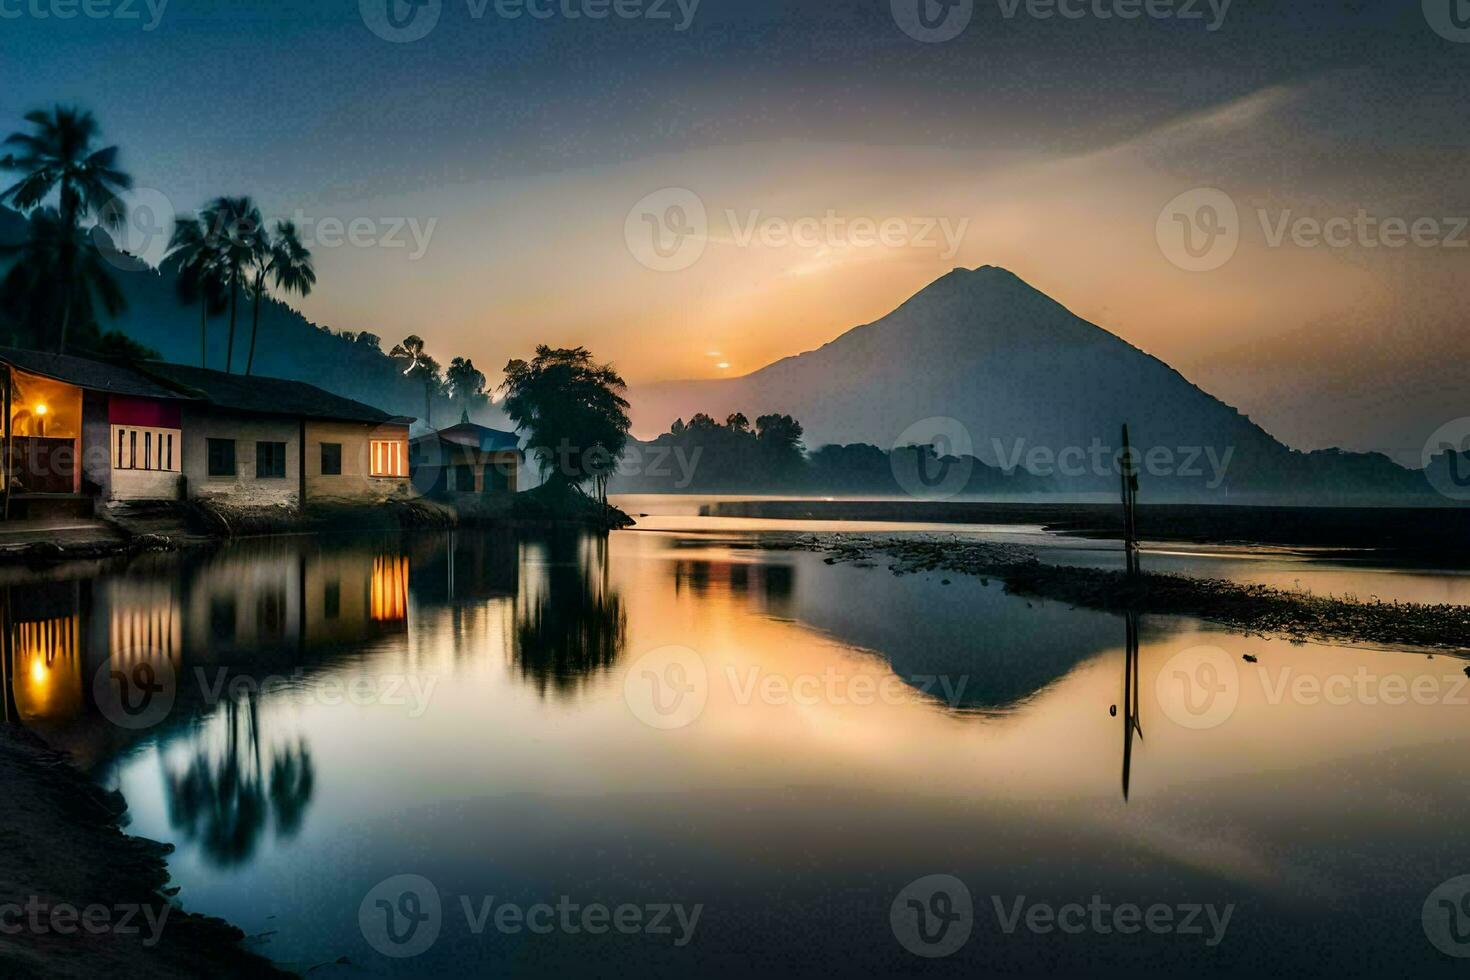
x=1130, y=498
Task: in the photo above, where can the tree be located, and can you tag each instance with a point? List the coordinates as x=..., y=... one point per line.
x=195, y=251
x=466, y=384
x=59, y=155
x=419, y=365
x=574, y=412
x=369, y=341
x=57, y=278
x=235, y=224
x=288, y=263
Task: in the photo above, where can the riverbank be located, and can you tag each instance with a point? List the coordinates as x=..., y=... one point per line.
x=79, y=898
x=132, y=529
x=1439, y=535
x=1249, y=608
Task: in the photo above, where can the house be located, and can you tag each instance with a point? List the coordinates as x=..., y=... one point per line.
x=466, y=459
x=82, y=431
x=80, y=428
x=254, y=440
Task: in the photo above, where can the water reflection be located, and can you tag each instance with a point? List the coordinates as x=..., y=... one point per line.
x=222, y=798
x=570, y=622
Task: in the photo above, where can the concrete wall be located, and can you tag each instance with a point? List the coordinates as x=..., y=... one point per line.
x=242, y=489
x=96, y=440
x=355, y=482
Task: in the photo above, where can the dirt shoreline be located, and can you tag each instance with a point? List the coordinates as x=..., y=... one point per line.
x=1252, y=609
x=172, y=527
x=79, y=898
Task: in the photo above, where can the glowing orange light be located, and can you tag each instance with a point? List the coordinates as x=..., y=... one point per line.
x=41, y=409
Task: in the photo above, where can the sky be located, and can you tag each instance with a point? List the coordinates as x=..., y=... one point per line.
x=697, y=189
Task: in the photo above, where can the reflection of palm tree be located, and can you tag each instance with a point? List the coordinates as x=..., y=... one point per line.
x=222, y=802
x=292, y=780
x=575, y=627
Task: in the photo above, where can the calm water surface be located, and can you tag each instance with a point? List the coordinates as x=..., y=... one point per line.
x=673, y=717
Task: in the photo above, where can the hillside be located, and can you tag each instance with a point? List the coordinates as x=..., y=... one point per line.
x=1032, y=385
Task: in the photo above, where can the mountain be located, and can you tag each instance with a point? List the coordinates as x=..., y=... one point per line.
x=1032, y=385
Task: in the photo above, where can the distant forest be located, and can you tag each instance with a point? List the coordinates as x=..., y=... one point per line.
x=768, y=456
x=736, y=456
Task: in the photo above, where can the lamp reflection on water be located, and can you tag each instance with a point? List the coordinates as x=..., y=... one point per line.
x=48, y=678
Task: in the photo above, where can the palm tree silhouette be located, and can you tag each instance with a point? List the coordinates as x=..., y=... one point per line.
x=196, y=251
x=60, y=155
x=288, y=262
x=57, y=277
x=235, y=224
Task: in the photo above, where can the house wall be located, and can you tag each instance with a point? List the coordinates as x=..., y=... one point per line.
x=96, y=431
x=355, y=482
x=244, y=488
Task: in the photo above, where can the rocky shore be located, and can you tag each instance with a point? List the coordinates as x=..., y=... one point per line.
x=1245, y=607
x=79, y=898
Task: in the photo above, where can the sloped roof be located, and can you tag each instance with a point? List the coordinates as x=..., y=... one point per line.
x=266, y=396
x=476, y=436
x=93, y=375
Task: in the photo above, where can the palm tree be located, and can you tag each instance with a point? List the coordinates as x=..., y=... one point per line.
x=196, y=250
x=235, y=224
x=59, y=155
x=422, y=366
x=285, y=260
x=57, y=277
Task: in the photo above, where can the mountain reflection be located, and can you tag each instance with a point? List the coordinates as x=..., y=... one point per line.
x=570, y=622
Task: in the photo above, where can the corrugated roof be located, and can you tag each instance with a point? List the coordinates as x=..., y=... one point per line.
x=266, y=396
x=86, y=373
x=481, y=437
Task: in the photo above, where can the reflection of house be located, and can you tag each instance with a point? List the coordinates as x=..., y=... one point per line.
x=153, y=431
x=43, y=654
x=350, y=596
x=466, y=459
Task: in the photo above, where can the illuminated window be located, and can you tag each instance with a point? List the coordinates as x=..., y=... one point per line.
x=388, y=458
x=137, y=448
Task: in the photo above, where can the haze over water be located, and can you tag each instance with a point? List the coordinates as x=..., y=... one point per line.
x=852, y=732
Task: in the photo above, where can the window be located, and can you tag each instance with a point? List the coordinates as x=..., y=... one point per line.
x=332, y=599
x=138, y=448
x=331, y=459
x=221, y=457
x=464, y=478
x=270, y=460
x=388, y=458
